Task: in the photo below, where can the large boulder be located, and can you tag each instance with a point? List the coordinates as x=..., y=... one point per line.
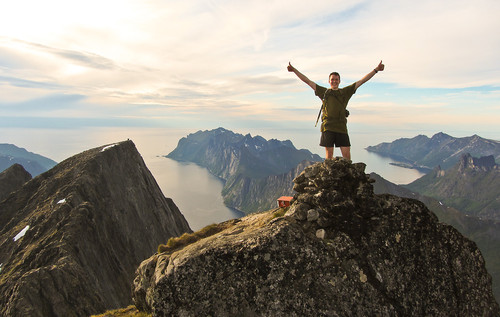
x=340, y=250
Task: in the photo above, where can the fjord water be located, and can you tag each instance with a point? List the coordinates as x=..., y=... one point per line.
x=194, y=190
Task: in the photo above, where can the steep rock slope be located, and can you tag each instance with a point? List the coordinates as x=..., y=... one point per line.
x=485, y=233
x=247, y=164
x=441, y=149
x=253, y=194
x=12, y=179
x=87, y=224
x=471, y=186
x=340, y=250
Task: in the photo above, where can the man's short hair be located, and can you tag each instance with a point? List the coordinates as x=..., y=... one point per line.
x=333, y=73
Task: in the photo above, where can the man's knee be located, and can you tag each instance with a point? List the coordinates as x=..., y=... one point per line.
x=346, y=152
x=329, y=152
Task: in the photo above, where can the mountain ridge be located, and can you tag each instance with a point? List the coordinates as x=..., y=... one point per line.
x=472, y=186
x=69, y=243
x=225, y=153
x=246, y=164
x=422, y=152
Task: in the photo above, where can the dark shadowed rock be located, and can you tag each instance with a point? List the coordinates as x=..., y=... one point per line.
x=340, y=250
x=484, y=232
x=88, y=223
x=12, y=179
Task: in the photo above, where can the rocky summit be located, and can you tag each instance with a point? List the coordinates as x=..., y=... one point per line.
x=72, y=237
x=339, y=250
x=12, y=179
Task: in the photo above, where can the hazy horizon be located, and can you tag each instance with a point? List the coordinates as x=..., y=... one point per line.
x=153, y=142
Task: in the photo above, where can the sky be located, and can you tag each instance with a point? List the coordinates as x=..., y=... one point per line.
x=204, y=64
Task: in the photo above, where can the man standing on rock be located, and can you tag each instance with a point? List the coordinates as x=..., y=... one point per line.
x=334, y=119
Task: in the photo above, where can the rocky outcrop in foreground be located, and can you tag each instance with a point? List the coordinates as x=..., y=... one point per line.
x=484, y=232
x=72, y=237
x=340, y=250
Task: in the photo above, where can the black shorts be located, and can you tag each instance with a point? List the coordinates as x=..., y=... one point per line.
x=331, y=139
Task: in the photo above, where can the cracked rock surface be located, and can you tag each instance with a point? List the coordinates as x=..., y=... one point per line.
x=340, y=250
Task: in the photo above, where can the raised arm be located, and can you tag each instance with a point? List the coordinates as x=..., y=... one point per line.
x=301, y=76
x=368, y=76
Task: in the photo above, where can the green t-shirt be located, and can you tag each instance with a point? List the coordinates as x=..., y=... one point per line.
x=334, y=107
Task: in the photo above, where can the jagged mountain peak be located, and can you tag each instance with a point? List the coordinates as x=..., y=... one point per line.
x=485, y=163
x=72, y=237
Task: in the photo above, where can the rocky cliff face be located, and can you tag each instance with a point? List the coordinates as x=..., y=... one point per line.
x=71, y=238
x=340, y=250
x=472, y=186
x=250, y=194
x=484, y=232
x=12, y=179
x=484, y=164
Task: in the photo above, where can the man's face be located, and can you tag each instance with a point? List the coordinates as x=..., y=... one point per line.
x=334, y=81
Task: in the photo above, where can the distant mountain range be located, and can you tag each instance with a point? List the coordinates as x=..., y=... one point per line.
x=426, y=153
x=256, y=171
x=35, y=164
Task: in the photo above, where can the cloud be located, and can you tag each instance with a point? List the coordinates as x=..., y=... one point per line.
x=221, y=59
x=83, y=58
x=25, y=83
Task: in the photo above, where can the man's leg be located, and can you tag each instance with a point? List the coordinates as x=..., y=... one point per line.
x=346, y=152
x=329, y=152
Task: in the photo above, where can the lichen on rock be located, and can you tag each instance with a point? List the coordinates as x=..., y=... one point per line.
x=340, y=250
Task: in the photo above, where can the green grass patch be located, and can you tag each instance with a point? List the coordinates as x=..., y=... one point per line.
x=189, y=238
x=280, y=212
x=176, y=243
x=130, y=311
